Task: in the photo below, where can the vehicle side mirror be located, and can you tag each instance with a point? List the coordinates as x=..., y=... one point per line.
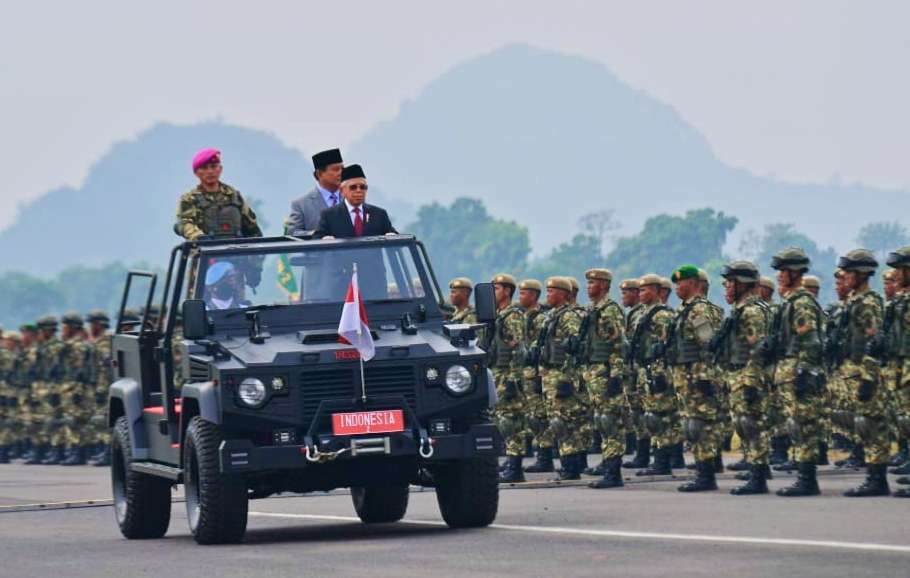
x=195, y=319
x=485, y=302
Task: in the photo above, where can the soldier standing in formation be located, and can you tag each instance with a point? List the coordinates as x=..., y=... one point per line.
x=529, y=291
x=460, y=297
x=641, y=445
x=76, y=392
x=602, y=374
x=895, y=347
x=100, y=338
x=504, y=353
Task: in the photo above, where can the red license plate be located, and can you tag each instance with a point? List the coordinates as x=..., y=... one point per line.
x=368, y=422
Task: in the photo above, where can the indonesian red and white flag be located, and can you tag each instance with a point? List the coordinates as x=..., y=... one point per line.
x=354, y=327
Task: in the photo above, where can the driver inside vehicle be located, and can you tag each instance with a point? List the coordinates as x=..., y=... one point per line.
x=224, y=287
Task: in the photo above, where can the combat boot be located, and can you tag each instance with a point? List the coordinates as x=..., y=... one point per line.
x=757, y=484
x=876, y=483
x=571, y=468
x=901, y=470
x=612, y=476
x=596, y=441
x=642, y=455
x=704, y=478
x=806, y=483
x=746, y=476
x=513, y=473
x=719, y=462
x=903, y=480
x=677, y=456
x=54, y=456
x=598, y=470
x=104, y=457
x=902, y=456
x=75, y=456
x=544, y=463
x=822, y=454
x=631, y=443
x=37, y=455
x=661, y=465
x=4, y=454
x=740, y=466
x=780, y=445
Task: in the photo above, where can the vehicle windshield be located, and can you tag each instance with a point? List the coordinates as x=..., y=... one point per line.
x=319, y=275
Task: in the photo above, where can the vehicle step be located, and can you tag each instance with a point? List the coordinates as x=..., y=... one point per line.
x=160, y=470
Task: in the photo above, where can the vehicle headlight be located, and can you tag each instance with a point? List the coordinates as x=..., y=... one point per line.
x=252, y=392
x=458, y=379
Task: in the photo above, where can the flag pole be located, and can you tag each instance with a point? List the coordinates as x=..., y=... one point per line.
x=363, y=383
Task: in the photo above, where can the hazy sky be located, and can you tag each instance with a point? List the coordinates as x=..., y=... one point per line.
x=808, y=90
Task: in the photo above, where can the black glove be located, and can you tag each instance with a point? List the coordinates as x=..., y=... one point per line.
x=866, y=391
x=751, y=395
x=614, y=387
x=565, y=389
x=705, y=387
x=658, y=384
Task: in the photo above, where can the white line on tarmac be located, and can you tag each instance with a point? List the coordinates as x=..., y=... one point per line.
x=865, y=546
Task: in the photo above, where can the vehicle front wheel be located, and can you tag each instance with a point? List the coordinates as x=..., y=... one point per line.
x=216, y=504
x=142, y=503
x=468, y=492
x=380, y=505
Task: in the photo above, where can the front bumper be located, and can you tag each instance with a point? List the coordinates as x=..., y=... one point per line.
x=241, y=456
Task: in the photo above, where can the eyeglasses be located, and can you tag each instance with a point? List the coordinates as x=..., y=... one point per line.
x=357, y=187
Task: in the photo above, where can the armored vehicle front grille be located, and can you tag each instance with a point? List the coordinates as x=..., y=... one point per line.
x=199, y=371
x=338, y=384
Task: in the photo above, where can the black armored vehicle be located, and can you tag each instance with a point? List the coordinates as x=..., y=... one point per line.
x=249, y=391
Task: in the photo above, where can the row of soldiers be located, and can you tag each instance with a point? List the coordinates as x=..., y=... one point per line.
x=785, y=374
x=54, y=379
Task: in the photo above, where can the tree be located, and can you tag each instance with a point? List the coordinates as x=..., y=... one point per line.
x=463, y=239
x=883, y=237
x=667, y=241
x=600, y=225
x=572, y=258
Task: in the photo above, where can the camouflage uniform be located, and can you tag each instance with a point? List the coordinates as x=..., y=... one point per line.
x=24, y=374
x=47, y=416
x=224, y=212
x=76, y=396
x=601, y=354
x=508, y=335
x=566, y=408
x=895, y=348
x=535, y=320
x=104, y=379
x=8, y=403
x=466, y=315
x=660, y=404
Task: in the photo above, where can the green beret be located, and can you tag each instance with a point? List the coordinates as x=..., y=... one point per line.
x=685, y=272
x=28, y=327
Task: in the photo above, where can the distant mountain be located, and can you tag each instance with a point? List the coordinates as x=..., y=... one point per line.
x=126, y=208
x=541, y=138
x=545, y=138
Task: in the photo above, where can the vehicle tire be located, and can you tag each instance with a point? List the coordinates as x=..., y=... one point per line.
x=380, y=505
x=468, y=492
x=216, y=504
x=142, y=503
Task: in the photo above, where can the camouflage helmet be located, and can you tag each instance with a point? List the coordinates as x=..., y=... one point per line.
x=665, y=283
x=98, y=316
x=766, y=282
x=859, y=260
x=650, y=279
x=72, y=319
x=629, y=285
x=504, y=279
x=742, y=271
x=461, y=283
x=574, y=283
x=559, y=283
x=531, y=285
x=899, y=258
x=599, y=274
x=790, y=259
x=812, y=282
x=47, y=322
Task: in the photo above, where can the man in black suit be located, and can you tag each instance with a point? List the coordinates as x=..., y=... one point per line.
x=354, y=217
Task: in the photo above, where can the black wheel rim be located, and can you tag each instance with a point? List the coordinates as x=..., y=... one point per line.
x=191, y=487
x=118, y=482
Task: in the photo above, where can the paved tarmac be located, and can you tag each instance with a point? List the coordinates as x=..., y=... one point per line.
x=58, y=521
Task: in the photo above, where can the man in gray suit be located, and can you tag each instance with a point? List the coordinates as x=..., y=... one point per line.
x=306, y=210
